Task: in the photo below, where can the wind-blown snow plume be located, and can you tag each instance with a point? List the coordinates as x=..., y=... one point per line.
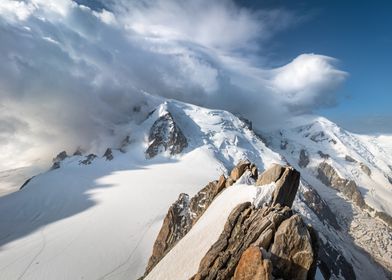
x=75, y=75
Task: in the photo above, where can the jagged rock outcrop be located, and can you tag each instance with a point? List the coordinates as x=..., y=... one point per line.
x=286, y=179
x=175, y=225
x=314, y=201
x=331, y=262
x=240, y=169
x=108, y=154
x=292, y=252
x=88, y=159
x=182, y=215
x=349, y=159
x=303, y=159
x=322, y=155
x=59, y=158
x=329, y=177
x=165, y=135
x=289, y=249
x=256, y=243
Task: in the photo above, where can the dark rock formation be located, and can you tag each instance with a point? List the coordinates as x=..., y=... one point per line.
x=26, y=182
x=286, y=179
x=88, y=159
x=175, y=225
x=329, y=177
x=124, y=143
x=240, y=169
x=283, y=144
x=322, y=155
x=182, y=215
x=303, y=159
x=292, y=252
x=332, y=263
x=108, y=154
x=389, y=179
x=256, y=243
x=319, y=207
x=248, y=227
x=56, y=161
x=365, y=169
x=165, y=135
x=349, y=159
x=78, y=152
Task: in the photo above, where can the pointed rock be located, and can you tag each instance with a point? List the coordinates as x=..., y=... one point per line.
x=165, y=135
x=291, y=253
x=108, y=154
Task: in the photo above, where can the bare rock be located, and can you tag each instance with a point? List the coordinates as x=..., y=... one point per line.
x=246, y=226
x=182, y=215
x=332, y=263
x=314, y=201
x=365, y=169
x=175, y=225
x=165, y=135
x=349, y=159
x=88, y=159
x=239, y=169
x=252, y=266
x=286, y=187
x=292, y=252
x=59, y=158
x=287, y=182
x=322, y=155
x=108, y=154
x=271, y=175
x=329, y=177
x=303, y=158
x=124, y=143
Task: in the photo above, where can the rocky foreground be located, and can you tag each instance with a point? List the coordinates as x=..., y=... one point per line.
x=267, y=241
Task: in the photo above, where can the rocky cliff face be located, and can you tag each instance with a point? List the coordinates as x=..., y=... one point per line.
x=257, y=242
x=165, y=135
x=328, y=175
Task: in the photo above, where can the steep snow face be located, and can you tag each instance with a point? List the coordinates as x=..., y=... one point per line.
x=354, y=157
x=99, y=220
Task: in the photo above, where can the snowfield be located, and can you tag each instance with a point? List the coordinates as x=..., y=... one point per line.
x=99, y=221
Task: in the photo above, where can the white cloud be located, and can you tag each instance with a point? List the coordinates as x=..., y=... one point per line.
x=71, y=75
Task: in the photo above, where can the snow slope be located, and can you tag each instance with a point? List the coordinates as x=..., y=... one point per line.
x=99, y=221
x=323, y=140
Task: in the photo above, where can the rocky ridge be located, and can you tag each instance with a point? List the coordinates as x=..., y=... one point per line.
x=258, y=241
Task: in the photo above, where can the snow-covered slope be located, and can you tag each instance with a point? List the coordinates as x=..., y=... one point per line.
x=309, y=143
x=98, y=219
x=355, y=157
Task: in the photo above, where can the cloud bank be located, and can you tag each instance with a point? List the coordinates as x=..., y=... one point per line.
x=77, y=75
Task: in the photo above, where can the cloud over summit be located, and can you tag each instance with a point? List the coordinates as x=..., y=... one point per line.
x=72, y=75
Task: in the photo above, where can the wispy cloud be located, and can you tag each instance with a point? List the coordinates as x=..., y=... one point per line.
x=75, y=76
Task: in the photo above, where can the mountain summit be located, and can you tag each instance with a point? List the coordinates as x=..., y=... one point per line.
x=141, y=208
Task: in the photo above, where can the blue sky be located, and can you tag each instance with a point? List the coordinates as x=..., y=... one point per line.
x=359, y=35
